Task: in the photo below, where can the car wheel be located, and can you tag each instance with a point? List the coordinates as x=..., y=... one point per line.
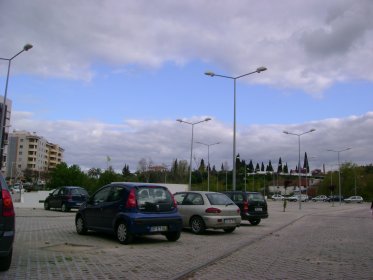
x=197, y=225
x=46, y=205
x=6, y=261
x=255, y=222
x=173, y=236
x=123, y=235
x=229, y=230
x=80, y=225
x=64, y=208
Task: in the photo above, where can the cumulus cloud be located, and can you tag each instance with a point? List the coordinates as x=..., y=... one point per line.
x=307, y=45
x=89, y=143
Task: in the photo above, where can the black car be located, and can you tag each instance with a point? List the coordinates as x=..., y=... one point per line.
x=335, y=198
x=253, y=205
x=130, y=209
x=7, y=226
x=66, y=198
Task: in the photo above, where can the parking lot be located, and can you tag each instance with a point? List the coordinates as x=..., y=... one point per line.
x=319, y=241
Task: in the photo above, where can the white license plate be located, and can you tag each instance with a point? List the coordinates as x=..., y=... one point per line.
x=229, y=221
x=259, y=209
x=158, y=228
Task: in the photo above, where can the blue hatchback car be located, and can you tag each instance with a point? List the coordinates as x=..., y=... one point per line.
x=130, y=209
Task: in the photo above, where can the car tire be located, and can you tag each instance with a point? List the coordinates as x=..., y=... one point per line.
x=64, y=208
x=46, y=205
x=173, y=236
x=123, y=234
x=255, y=222
x=229, y=230
x=198, y=225
x=6, y=261
x=80, y=225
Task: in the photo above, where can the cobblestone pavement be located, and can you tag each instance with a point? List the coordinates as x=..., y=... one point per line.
x=318, y=242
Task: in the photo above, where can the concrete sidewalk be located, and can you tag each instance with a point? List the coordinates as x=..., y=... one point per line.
x=29, y=199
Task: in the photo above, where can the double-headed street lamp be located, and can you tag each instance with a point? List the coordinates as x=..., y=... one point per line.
x=3, y=111
x=212, y=74
x=208, y=161
x=299, y=177
x=191, y=146
x=339, y=171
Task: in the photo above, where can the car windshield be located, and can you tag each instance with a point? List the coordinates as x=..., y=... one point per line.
x=255, y=197
x=219, y=199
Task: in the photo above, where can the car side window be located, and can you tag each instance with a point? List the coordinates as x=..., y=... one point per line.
x=116, y=194
x=238, y=197
x=179, y=197
x=193, y=199
x=102, y=195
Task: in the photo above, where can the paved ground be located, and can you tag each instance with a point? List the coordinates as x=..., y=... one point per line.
x=317, y=242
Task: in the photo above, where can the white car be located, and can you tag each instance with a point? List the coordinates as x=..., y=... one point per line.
x=303, y=198
x=320, y=198
x=277, y=197
x=355, y=198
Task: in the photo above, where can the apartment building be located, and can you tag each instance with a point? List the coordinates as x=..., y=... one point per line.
x=29, y=151
x=4, y=142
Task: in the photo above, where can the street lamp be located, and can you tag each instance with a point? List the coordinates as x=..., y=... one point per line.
x=212, y=74
x=339, y=171
x=208, y=161
x=3, y=116
x=191, y=146
x=299, y=178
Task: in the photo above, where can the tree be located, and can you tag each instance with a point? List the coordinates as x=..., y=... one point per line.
x=202, y=167
x=126, y=171
x=306, y=166
x=279, y=167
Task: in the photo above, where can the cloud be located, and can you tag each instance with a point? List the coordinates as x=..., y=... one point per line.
x=307, y=45
x=89, y=143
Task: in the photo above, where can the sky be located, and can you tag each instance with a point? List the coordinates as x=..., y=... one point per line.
x=110, y=79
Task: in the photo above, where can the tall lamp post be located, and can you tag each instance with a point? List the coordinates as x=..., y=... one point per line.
x=191, y=146
x=299, y=171
x=208, y=161
x=3, y=116
x=212, y=74
x=339, y=171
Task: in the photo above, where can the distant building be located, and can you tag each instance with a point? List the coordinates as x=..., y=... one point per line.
x=28, y=151
x=4, y=142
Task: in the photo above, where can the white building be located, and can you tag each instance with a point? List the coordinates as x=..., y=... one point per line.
x=28, y=151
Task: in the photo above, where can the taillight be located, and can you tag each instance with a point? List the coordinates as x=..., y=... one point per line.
x=173, y=199
x=245, y=207
x=8, y=209
x=238, y=211
x=213, y=210
x=131, y=201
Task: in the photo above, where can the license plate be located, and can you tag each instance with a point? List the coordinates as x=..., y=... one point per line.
x=158, y=228
x=229, y=221
x=259, y=209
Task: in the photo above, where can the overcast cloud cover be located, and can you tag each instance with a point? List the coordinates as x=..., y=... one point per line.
x=308, y=47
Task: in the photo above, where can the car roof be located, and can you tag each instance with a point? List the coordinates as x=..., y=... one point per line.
x=136, y=184
x=201, y=192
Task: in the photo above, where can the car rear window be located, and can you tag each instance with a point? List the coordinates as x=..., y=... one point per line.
x=218, y=199
x=154, y=199
x=255, y=197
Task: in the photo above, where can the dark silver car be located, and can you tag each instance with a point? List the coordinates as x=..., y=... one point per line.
x=7, y=226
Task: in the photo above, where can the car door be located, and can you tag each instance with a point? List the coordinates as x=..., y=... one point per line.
x=94, y=207
x=112, y=206
x=193, y=204
x=53, y=199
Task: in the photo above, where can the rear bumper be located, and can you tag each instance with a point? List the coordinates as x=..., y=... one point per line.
x=221, y=222
x=141, y=225
x=252, y=216
x=6, y=242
